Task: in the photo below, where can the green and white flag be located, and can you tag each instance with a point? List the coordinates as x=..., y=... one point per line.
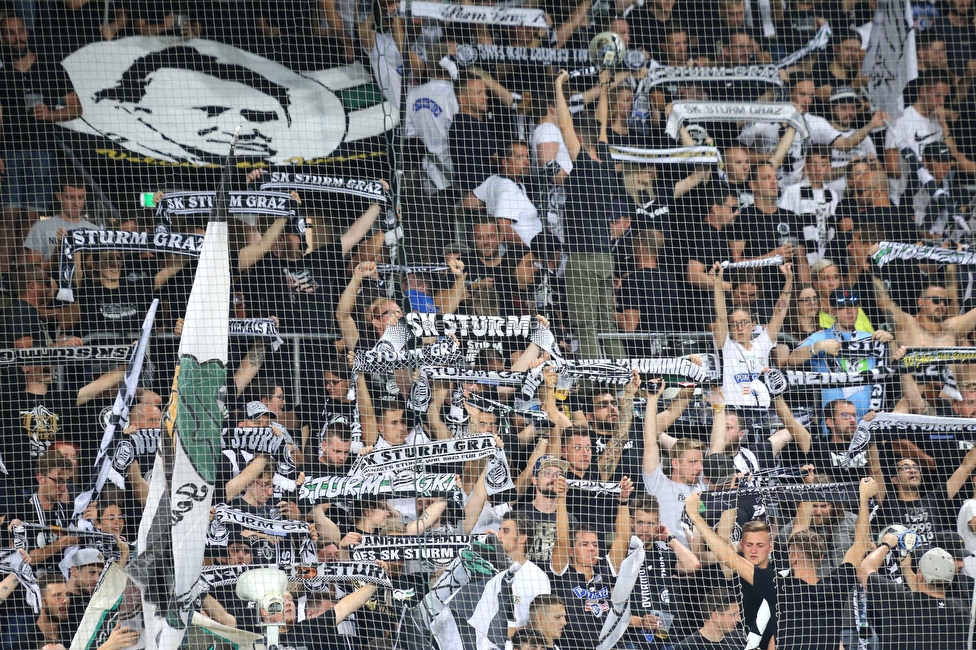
x=172, y=533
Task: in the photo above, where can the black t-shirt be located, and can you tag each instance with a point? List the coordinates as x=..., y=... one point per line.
x=732, y=641
x=503, y=278
x=319, y=633
x=827, y=456
x=906, y=620
x=763, y=231
x=32, y=423
x=472, y=144
x=590, y=190
x=924, y=516
x=811, y=615
x=301, y=293
x=45, y=80
x=120, y=310
x=543, y=533
x=23, y=319
x=654, y=589
x=649, y=291
x=587, y=606
x=762, y=589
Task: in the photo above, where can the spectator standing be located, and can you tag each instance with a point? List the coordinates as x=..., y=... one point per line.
x=590, y=190
x=35, y=94
x=721, y=629
x=43, y=239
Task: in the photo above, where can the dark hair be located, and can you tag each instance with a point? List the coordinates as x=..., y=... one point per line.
x=543, y=601
x=132, y=87
x=809, y=543
x=819, y=150
x=527, y=638
x=262, y=388
x=645, y=502
x=932, y=77
x=830, y=410
x=52, y=460
x=592, y=393
x=71, y=178
x=717, y=600
x=522, y=526
x=588, y=129
x=28, y=273
x=339, y=430
x=384, y=407
x=584, y=528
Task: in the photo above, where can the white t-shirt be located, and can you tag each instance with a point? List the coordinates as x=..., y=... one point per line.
x=43, y=235
x=431, y=108
x=528, y=582
x=387, y=63
x=815, y=209
x=912, y=131
x=549, y=132
x=740, y=367
x=506, y=199
x=765, y=138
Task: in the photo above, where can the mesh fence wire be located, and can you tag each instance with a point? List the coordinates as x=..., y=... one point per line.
x=348, y=325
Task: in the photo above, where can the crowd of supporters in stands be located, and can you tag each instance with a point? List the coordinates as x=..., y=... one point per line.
x=510, y=186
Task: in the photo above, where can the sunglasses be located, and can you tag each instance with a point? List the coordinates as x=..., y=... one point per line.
x=848, y=302
x=937, y=300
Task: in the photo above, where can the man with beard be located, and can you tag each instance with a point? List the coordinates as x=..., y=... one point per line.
x=845, y=105
x=29, y=632
x=909, y=507
x=47, y=506
x=614, y=439
x=657, y=593
x=336, y=407
x=840, y=418
x=834, y=525
x=763, y=456
x=541, y=511
x=86, y=568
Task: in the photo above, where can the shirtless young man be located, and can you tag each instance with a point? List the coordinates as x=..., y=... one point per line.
x=932, y=327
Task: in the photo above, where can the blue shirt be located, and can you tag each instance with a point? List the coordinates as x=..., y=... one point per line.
x=823, y=362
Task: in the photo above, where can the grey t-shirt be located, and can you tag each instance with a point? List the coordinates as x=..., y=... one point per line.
x=671, y=498
x=42, y=237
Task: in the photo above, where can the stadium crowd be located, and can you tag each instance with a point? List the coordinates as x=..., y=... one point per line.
x=521, y=195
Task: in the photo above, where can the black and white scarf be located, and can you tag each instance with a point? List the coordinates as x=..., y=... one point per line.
x=702, y=111
x=393, y=548
x=468, y=55
x=326, y=489
x=225, y=514
x=361, y=187
x=58, y=355
x=410, y=457
x=477, y=14
x=844, y=494
x=172, y=243
x=353, y=573
x=775, y=260
x=257, y=328
x=599, y=488
x=385, y=358
x=668, y=156
x=891, y=251
x=13, y=562
x=900, y=424
x=278, y=205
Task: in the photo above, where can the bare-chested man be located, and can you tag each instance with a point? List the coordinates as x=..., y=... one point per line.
x=932, y=327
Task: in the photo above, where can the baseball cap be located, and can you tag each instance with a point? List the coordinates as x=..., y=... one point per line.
x=87, y=556
x=937, y=566
x=718, y=469
x=550, y=461
x=257, y=409
x=937, y=152
x=846, y=298
x=843, y=94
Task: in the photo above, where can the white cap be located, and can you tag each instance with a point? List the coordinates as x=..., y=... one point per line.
x=256, y=409
x=86, y=556
x=937, y=566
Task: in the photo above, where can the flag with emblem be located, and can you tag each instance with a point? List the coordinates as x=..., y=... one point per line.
x=172, y=533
